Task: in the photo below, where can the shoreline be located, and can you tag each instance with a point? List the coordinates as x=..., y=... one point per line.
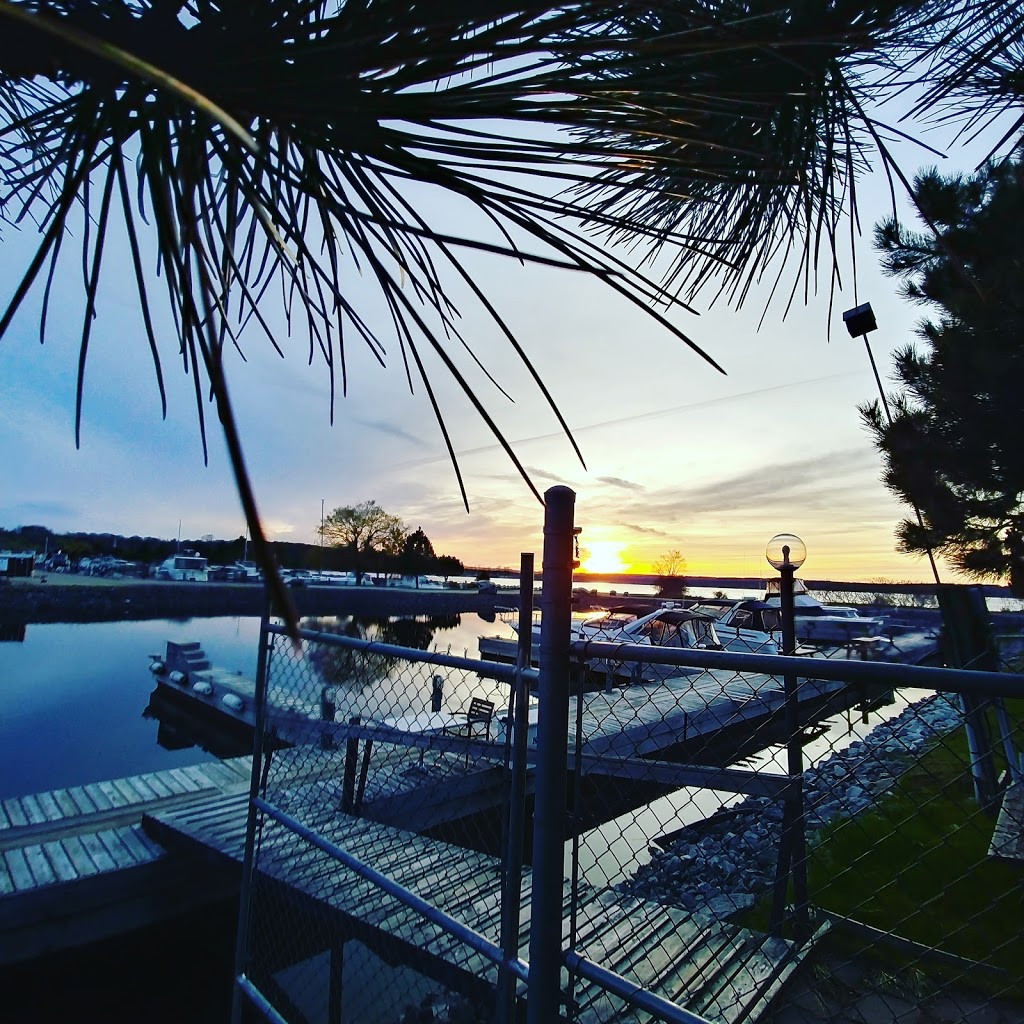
x=60, y=598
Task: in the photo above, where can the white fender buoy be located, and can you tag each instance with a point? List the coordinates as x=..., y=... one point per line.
x=157, y=666
x=203, y=687
x=233, y=701
x=176, y=676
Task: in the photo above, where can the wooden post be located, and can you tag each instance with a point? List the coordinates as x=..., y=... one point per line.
x=364, y=769
x=348, y=782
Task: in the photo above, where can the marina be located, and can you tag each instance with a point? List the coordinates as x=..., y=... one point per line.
x=395, y=761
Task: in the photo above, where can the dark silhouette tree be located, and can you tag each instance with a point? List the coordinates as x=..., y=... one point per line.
x=366, y=531
x=417, y=555
x=449, y=565
x=953, y=447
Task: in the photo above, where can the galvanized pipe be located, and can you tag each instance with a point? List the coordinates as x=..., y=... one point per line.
x=511, y=897
x=242, y=954
x=544, y=985
x=989, y=684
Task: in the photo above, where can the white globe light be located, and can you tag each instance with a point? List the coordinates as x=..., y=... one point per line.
x=786, y=549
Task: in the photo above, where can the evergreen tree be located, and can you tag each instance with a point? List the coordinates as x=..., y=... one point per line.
x=953, y=447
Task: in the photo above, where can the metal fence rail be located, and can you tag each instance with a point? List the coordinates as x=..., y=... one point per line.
x=630, y=832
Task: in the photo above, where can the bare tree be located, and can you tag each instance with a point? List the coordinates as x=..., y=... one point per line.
x=670, y=568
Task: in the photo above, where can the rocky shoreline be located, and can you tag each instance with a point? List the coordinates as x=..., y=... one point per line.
x=727, y=862
x=67, y=600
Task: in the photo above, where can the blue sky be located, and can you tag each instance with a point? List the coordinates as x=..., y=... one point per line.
x=678, y=456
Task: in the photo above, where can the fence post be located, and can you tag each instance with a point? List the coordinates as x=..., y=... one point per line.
x=545, y=982
x=242, y=950
x=513, y=866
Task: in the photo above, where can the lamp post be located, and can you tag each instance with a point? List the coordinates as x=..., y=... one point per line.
x=787, y=552
x=860, y=322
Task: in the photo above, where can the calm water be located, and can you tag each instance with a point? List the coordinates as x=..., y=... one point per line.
x=73, y=697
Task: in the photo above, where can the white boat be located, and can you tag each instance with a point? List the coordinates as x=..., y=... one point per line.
x=821, y=623
x=188, y=566
x=246, y=572
x=671, y=625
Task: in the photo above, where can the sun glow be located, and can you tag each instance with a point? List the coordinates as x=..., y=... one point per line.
x=603, y=556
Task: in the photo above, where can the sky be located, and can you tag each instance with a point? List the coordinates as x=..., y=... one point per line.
x=678, y=456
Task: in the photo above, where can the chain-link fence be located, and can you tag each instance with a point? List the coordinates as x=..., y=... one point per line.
x=657, y=830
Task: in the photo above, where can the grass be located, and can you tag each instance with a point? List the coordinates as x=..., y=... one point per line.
x=917, y=864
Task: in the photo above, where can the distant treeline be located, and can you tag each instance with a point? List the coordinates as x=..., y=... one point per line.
x=290, y=555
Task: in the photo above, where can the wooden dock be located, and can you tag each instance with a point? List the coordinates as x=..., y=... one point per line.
x=76, y=865
x=712, y=967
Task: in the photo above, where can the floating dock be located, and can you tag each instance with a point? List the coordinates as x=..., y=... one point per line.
x=76, y=865
x=719, y=970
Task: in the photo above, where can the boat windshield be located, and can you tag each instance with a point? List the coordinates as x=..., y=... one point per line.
x=186, y=562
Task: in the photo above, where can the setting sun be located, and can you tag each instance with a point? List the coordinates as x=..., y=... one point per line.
x=603, y=556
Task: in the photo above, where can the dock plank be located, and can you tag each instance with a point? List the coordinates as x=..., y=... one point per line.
x=185, y=781
x=97, y=851
x=79, y=856
x=19, y=870
x=49, y=806
x=14, y=811
x=60, y=861
x=127, y=791
x=116, y=797
x=82, y=800
x=33, y=812
x=154, y=782
x=116, y=849
x=40, y=867
x=67, y=806
x=100, y=799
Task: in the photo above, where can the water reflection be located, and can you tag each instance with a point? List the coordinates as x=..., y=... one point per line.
x=180, y=729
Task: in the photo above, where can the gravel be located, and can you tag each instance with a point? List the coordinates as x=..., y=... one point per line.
x=725, y=863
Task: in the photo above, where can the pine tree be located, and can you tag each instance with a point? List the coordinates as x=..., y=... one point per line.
x=953, y=447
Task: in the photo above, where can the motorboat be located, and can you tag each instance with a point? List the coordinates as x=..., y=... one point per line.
x=748, y=626
x=824, y=624
x=671, y=625
x=246, y=572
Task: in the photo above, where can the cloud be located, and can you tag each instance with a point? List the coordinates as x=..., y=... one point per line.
x=643, y=529
x=27, y=513
x=383, y=427
x=617, y=481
